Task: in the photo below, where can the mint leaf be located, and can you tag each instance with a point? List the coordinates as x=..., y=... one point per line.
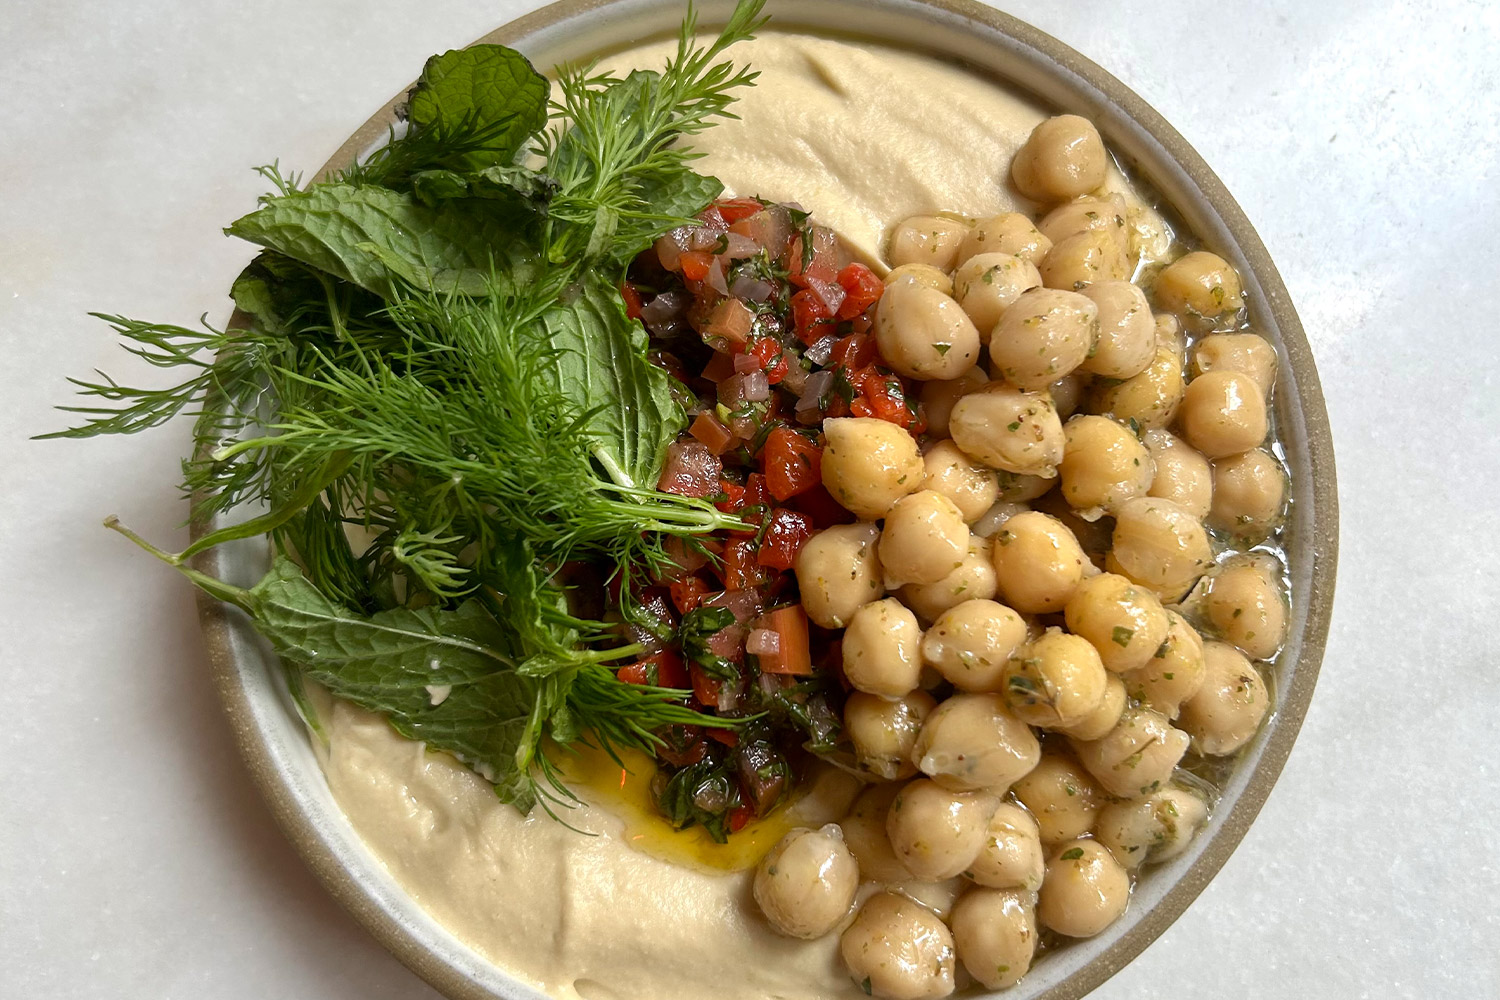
x=483, y=83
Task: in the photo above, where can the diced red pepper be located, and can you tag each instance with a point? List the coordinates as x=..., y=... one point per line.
x=810, y=316
x=688, y=593
x=695, y=264
x=786, y=532
x=884, y=399
x=862, y=289
x=708, y=429
x=793, y=464
x=740, y=817
x=633, y=302
x=732, y=210
x=741, y=571
x=792, y=657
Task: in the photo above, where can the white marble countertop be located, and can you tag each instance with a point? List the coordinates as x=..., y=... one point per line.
x=1360, y=137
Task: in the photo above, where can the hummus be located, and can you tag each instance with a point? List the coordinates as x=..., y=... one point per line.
x=862, y=137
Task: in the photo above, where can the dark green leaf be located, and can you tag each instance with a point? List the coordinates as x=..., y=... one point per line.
x=698, y=626
x=482, y=83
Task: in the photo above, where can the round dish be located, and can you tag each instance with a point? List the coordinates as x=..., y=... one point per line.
x=271, y=734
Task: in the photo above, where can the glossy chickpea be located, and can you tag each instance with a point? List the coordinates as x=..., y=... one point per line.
x=921, y=274
x=1245, y=607
x=1063, y=158
x=923, y=333
x=1200, y=289
x=1136, y=757
x=869, y=464
x=1249, y=492
x=1157, y=827
x=1042, y=337
x=1223, y=413
x=974, y=578
x=994, y=931
x=1010, y=232
x=1016, y=487
x=937, y=832
x=1038, y=563
x=1228, y=707
x=969, y=486
x=882, y=649
x=806, y=885
x=1061, y=796
x=1180, y=473
x=1104, y=718
x=1087, y=215
x=1084, y=891
x=1068, y=392
x=1103, y=465
x=1009, y=429
x=988, y=284
x=1159, y=545
x=938, y=398
x=1247, y=353
x=972, y=743
x=924, y=538
x=1082, y=260
x=1055, y=681
x=970, y=644
x=1152, y=397
x=1127, y=330
x=1124, y=622
x=884, y=731
x=865, y=836
x=1011, y=857
x=838, y=572
x=899, y=950
x=1174, y=673
x=927, y=239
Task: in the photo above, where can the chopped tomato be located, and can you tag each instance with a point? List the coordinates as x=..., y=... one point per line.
x=771, y=355
x=786, y=532
x=664, y=669
x=719, y=367
x=633, y=301
x=880, y=396
x=728, y=737
x=705, y=688
x=862, y=289
x=818, y=504
x=824, y=265
x=712, y=432
x=792, y=657
x=734, y=497
x=793, y=464
x=740, y=817
x=756, y=493
x=695, y=264
x=688, y=593
x=741, y=571
x=732, y=210
x=854, y=351
x=810, y=316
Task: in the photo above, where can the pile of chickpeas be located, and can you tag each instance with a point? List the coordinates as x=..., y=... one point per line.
x=1049, y=599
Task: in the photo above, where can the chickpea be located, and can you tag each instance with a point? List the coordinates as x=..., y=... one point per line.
x=938, y=398
x=995, y=932
x=1152, y=397
x=921, y=274
x=924, y=539
x=935, y=831
x=1175, y=671
x=1055, y=681
x=1063, y=158
x=1124, y=622
x=1182, y=475
x=1104, y=718
x=994, y=519
x=882, y=649
x=1067, y=392
x=1159, y=545
x=1008, y=429
x=1136, y=757
x=1062, y=796
x=1038, y=563
x=988, y=284
x=1127, y=330
x=927, y=239
x=1011, y=857
x=1042, y=337
x=869, y=464
x=1244, y=606
x=838, y=572
x=1157, y=827
x=1084, y=891
x=1087, y=215
x=1083, y=259
x=970, y=643
x=1103, y=464
x=1016, y=487
x=1223, y=413
x=1011, y=233
x=1227, y=709
x=970, y=487
x=972, y=743
x=1247, y=353
x=884, y=731
x=1093, y=535
x=898, y=949
x=1199, y=288
x=864, y=833
x=923, y=333
x=974, y=579
x=1249, y=492
x=806, y=885
x=1150, y=240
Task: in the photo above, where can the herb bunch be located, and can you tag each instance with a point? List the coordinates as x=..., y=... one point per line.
x=431, y=350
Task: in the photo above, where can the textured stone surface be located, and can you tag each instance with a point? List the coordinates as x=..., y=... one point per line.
x=1359, y=137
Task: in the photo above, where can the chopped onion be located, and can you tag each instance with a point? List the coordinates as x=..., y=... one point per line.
x=746, y=363
x=666, y=313
x=745, y=604
x=704, y=237
x=715, y=277
x=750, y=387
x=738, y=247
x=813, y=391
x=763, y=642
x=795, y=377
x=752, y=289
x=831, y=293
x=670, y=246
x=821, y=351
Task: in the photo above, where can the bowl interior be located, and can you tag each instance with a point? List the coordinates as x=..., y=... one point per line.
x=275, y=743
